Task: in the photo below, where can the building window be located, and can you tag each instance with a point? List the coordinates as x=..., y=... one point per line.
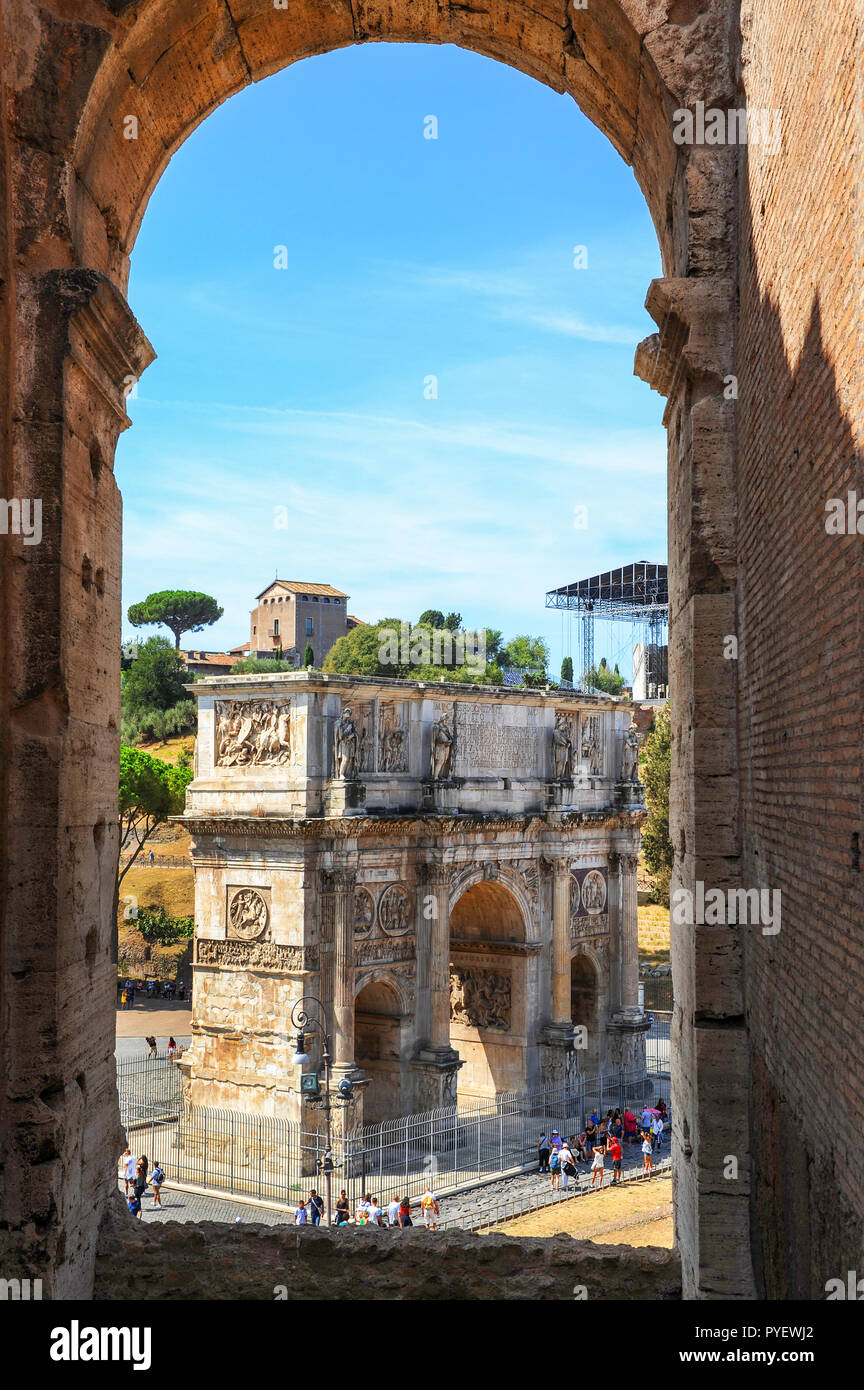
x=275, y=627
x=308, y=627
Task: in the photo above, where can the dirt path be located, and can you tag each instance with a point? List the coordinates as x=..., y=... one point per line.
x=637, y=1213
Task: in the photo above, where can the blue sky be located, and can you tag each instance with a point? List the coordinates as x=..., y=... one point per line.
x=285, y=424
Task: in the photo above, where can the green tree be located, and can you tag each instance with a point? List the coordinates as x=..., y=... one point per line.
x=530, y=655
x=453, y=622
x=308, y=655
x=603, y=678
x=567, y=669
x=260, y=665
x=155, y=679
x=182, y=610
x=433, y=617
x=655, y=772
x=150, y=791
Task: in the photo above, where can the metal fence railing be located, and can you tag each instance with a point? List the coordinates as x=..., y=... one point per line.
x=274, y=1160
x=149, y=1088
x=657, y=994
x=658, y=1049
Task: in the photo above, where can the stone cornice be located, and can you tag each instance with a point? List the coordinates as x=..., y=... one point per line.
x=532, y=825
x=368, y=686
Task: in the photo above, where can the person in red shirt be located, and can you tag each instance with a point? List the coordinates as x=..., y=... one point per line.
x=614, y=1151
x=629, y=1126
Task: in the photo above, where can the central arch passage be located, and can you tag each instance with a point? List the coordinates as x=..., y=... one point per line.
x=487, y=991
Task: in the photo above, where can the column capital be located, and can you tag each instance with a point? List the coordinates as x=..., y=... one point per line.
x=433, y=873
x=339, y=880
x=558, y=863
x=628, y=862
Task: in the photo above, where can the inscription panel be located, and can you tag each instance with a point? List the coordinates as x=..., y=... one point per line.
x=484, y=743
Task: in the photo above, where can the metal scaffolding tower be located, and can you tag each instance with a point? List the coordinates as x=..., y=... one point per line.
x=636, y=594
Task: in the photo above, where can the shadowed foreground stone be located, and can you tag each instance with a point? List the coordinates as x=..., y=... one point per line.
x=212, y=1261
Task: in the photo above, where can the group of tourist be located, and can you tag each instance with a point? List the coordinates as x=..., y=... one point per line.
x=397, y=1214
x=151, y=989
x=134, y=1174
x=602, y=1137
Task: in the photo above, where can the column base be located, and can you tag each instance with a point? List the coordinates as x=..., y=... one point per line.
x=561, y=1061
x=436, y=1069
x=342, y=797
x=626, y=1030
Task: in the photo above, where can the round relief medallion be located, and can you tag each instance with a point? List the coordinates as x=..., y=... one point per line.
x=364, y=912
x=594, y=892
x=248, y=914
x=393, y=910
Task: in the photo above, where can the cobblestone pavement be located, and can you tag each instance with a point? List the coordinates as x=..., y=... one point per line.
x=191, y=1206
x=520, y=1192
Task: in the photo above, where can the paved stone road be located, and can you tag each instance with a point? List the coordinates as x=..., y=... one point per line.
x=190, y=1206
x=521, y=1191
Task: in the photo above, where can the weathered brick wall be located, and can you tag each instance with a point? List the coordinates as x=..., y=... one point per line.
x=800, y=605
x=213, y=1261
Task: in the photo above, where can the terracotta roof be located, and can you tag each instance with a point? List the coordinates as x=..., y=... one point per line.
x=200, y=658
x=361, y=622
x=300, y=586
x=238, y=651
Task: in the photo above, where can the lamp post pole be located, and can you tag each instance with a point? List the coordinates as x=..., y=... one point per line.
x=309, y=1017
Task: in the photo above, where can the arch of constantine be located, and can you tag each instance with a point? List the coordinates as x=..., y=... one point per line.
x=450, y=869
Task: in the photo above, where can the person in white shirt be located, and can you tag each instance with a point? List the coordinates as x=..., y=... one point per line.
x=393, y=1212
x=657, y=1131
x=646, y=1153
x=300, y=1217
x=598, y=1166
x=128, y=1167
x=565, y=1157
x=374, y=1214
x=361, y=1215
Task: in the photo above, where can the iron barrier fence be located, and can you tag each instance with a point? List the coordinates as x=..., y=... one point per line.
x=658, y=1049
x=149, y=1088
x=272, y=1160
x=658, y=996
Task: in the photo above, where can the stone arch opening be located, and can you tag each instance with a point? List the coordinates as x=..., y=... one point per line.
x=378, y=1014
x=488, y=1024
x=99, y=107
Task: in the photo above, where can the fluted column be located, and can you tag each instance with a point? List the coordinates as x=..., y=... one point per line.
x=435, y=910
x=341, y=883
x=629, y=935
x=561, y=941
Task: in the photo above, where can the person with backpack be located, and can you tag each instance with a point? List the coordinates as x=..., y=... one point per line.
x=157, y=1177
x=151, y=1043
x=568, y=1167
x=430, y=1209
x=555, y=1168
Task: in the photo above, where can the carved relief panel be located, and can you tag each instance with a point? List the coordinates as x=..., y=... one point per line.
x=394, y=911
x=592, y=744
x=252, y=733
x=588, y=892
x=480, y=998
x=392, y=738
x=247, y=913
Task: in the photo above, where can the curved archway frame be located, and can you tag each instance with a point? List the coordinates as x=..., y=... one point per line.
x=79, y=188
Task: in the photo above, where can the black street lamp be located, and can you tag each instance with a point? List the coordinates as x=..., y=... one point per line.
x=309, y=1017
